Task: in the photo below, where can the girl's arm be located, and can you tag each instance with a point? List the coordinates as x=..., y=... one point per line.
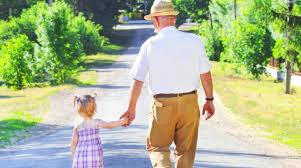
x=74, y=141
x=112, y=124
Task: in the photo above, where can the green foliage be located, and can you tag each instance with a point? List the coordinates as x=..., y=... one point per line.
x=60, y=38
x=287, y=32
x=60, y=48
x=251, y=46
x=15, y=61
x=16, y=5
x=89, y=34
x=25, y=24
x=211, y=38
x=104, y=12
x=197, y=10
x=245, y=41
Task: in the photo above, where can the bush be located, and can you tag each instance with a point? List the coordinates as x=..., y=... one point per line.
x=25, y=24
x=7, y=31
x=60, y=49
x=15, y=58
x=212, y=40
x=59, y=38
x=251, y=47
x=89, y=34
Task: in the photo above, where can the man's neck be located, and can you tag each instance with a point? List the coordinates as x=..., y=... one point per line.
x=163, y=27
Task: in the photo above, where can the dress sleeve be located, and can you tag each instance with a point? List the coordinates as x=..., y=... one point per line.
x=140, y=67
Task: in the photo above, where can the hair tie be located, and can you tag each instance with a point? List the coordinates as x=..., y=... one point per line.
x=94, y=95
x=76, y=99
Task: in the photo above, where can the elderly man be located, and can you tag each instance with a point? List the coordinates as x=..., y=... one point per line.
x=175, y=63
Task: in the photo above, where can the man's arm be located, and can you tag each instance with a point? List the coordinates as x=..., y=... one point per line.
x=135, y=92
x=206, y=80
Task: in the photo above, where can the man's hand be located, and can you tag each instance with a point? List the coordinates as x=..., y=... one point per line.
x=130, y=114
x=209, y=107
x=134, y=95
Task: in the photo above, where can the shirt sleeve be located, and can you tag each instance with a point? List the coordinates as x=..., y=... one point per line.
x=204, y=63
x=140, y=67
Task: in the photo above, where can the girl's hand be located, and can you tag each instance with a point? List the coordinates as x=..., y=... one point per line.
x=130, y=115
x=125, y=121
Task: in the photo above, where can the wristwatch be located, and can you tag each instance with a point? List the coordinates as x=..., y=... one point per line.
x=209, y=98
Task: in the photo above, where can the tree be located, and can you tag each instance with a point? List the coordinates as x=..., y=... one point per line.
x=60, y=48
x=287, y=27
x=197, y=10
x=104, y=12
x=14, y=7
x=251, y=47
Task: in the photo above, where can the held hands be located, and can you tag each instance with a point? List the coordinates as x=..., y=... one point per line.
x=209, y=107
x=124, y=121
x=130, y=115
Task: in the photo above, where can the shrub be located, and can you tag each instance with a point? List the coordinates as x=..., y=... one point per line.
x=59, y=38
x=89, y=34
x=212, y=40
x=251, y=47
x=7, y=31
x=15, y=58
x=27, y=22
x=60, y=49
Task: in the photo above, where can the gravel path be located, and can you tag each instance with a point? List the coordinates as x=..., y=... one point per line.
x=223, y=142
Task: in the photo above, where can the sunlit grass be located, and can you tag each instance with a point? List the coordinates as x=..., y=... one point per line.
x=100, y=59
x=16, y=122
x=261, y=104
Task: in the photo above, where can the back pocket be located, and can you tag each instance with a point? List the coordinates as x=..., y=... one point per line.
x=162, y=114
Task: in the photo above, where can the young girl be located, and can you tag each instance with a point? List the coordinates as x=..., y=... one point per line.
x=86, y=146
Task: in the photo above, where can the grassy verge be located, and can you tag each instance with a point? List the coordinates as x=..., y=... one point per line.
x=261, y=104
x=190, y=29
x=25, y=108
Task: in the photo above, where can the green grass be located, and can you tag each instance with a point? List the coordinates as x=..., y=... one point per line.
x=99, y=60
x=190, y=29
x=22, y=109
x=25, y=108
x=261, y=104
x=16, y=122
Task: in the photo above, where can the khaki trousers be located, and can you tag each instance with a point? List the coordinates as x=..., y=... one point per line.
x=175, y=120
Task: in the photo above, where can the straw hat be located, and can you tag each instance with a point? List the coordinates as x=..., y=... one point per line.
x=161, y=8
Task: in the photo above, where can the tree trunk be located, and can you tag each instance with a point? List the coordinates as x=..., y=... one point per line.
x=290, y=4
x=288, y=77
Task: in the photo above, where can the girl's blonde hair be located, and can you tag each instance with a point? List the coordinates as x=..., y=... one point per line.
x=86, y=104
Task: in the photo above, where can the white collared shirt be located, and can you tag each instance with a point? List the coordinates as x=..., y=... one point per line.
x=172, y=60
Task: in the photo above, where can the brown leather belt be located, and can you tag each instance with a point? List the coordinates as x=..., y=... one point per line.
x=161, y=95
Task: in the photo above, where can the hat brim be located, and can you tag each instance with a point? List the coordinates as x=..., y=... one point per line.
x=170, y=13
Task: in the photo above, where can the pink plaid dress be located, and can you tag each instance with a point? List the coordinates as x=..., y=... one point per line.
x=89, y=152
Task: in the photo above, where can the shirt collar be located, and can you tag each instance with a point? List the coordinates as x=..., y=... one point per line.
x=167, y=29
